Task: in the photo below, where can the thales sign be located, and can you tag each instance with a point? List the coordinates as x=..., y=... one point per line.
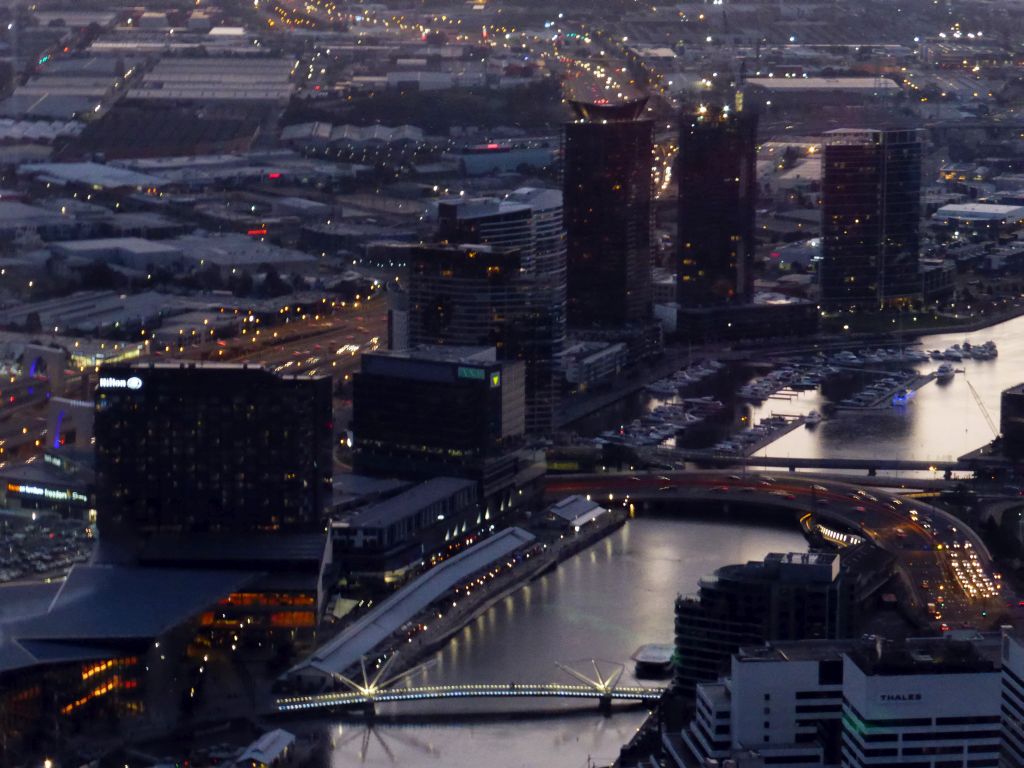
x=898, y=698
x=112, y=382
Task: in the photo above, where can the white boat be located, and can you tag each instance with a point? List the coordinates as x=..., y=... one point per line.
x=945, y=372
x=812, y=418
x=953, y=353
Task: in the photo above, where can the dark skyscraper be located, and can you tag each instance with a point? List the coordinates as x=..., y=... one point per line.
x=439, y=411
x=871, y=198
x=607, y=156
x=716, y=173
x=185, y=449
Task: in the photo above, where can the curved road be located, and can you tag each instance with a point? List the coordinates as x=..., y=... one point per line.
x=945, y=564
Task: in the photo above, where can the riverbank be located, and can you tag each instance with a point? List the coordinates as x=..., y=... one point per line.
x=441, y=630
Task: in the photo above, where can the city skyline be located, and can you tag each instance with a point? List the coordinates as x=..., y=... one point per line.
x=620, y=385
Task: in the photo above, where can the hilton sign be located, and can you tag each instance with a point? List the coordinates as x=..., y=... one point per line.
x=109, y=382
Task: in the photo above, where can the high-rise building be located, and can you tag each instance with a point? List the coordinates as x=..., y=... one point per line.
x=439, y=411
x=528, y=221
x=220, y=449
x=870, y=223
x=607, y=156
x=716, y=174
x=787, y=597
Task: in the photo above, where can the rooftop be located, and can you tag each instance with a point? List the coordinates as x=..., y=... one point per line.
x=824, y=83
x=98, y=607
x=922, y=656
x=380, y=622
x=406, y=503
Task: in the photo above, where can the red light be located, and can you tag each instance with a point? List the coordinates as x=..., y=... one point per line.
x=256, y=232
x=278, y=175
x=493, y=146
x=776, y=255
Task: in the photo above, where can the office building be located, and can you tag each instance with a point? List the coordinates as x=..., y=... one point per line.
x=187, y=449
x=529, y=222
x=921, y=703
x=480, y=295
x=1012, y=706
x=871, y=702
x=778, y=701
x=871, y=197
x=716, y=174
x=607, y=156
x=786, y=597
x=440, y=412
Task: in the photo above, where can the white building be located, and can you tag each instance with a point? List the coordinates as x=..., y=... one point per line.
x=771, y=708
x=1013, y=699
x=932, y=703
x=929, y=703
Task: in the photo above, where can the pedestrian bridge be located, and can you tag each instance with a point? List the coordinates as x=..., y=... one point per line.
x=470, y=691
x=377, y=688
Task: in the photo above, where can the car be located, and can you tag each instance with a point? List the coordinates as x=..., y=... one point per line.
x=820, y=488
x=822, y=501
x=720, y=488
x=860, y=509
x=735, y=477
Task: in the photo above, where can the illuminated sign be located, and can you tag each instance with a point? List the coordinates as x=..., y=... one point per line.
x=495, y=379
x=471, y=373
x=110, y=382
x=46, y=493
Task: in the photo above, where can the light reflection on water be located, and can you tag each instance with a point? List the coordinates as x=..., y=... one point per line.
x=941, y=422
x=603, y=603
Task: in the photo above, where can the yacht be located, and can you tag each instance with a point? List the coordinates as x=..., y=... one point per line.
x=812, y=419
x=953, y=353
x=945, y=372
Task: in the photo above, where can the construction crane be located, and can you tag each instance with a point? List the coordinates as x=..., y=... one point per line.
x=984, y=410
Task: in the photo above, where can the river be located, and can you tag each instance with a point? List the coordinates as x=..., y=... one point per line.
x=603, y=603
x=618, y=594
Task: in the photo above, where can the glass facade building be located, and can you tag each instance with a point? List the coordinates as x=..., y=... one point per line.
x=607, y=157
x=186, y=448
x=438, y=411
x=716, y=173
x=529, y=221
x=871, y=198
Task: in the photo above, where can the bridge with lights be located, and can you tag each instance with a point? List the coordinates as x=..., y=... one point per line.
x=380, y=689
